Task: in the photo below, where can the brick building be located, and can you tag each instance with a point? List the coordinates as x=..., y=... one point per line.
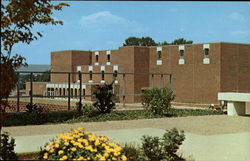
x=199, y=71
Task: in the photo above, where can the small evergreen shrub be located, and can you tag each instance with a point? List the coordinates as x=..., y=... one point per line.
x=157, y=100
x=104, y=98
x=7, y=148
x=164, y=148
x=79, y=144
x=38, y=114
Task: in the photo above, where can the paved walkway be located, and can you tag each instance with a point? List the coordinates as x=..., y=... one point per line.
x=208, y=138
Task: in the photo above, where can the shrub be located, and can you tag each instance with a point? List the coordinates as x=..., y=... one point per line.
x=157, y=100
x=38, y=114
x=131, y=152
x=86, y=110
x=105, y=98
x=7, y=148
x=164, y=148
x=82, y=145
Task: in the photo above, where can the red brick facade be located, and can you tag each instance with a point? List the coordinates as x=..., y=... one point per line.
x=198, y=80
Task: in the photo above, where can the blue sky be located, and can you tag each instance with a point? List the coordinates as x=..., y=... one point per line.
x=105, y=25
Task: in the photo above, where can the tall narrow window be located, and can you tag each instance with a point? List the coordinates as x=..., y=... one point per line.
x=96, y=58
x=206, y=53
x=75, y=93
x=83, y=93
x=90, y=75
x=206, y=49
x=115, y=74
x=181, y=54
x=108, y=58
x=103, y=75
x=159, y=55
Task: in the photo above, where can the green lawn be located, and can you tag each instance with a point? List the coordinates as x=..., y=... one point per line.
x=25, y=118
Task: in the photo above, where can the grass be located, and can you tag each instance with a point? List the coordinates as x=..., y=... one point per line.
x=55, y=117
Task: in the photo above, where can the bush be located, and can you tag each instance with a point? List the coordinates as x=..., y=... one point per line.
x=157, y=100
x=164, y=148
x=131, y=152
x=87, y=109
x=38, y=114
x=105, y=98
x=82, y=145
x=7, y=148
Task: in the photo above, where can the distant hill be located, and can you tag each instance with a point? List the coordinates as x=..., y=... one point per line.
x=35, y=68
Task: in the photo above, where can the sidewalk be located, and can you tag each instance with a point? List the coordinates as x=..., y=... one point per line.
x=208, y=138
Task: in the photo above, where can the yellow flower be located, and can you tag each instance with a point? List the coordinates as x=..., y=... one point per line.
x=45, y=157
x=73, y=149
x=124, y=157
x=51, y=150
x=97, y=142
x=60, y=152
x=80, y=146
x=117, y=153
x=65, y=157
x=56, y=145
x=66, y=143
x=113, y=158
x=105, y=154
x=80, y=158
x=80, y=129
x=57, y=141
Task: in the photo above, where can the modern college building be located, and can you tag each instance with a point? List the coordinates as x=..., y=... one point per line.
x=199, y=71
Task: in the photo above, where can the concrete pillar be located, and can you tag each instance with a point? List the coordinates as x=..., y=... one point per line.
x=236, y=108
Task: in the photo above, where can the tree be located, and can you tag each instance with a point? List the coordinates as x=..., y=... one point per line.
x=163, y=43
x=181, y=41
x=18, y=17
x=132, y=41
x=144, y=41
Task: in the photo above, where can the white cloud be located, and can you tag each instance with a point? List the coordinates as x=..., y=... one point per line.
x=101, y=17
x=105, y=20
x=240, y=33
x=236, y=16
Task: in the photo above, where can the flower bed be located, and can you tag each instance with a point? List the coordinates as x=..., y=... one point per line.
x=79, y=144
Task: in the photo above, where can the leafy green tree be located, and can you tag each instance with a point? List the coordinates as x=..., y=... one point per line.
x=147, y=41
x=132, y=41
x=163, y=43
x=144, y=41
x=18, y=18
x=181, y=41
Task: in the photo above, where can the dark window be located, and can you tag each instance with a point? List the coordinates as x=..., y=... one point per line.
x=115, y=74
x=102, y=75
x=159, y=55
x=96, y=58
x=108, y=57
x=83, y=93
x=206, y=53
x=182, y=54
x=90, y=75
x=75, y=92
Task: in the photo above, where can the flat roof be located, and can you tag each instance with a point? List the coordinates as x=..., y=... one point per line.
x=155, y=46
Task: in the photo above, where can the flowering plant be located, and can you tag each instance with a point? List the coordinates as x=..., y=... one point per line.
x=80, y=144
